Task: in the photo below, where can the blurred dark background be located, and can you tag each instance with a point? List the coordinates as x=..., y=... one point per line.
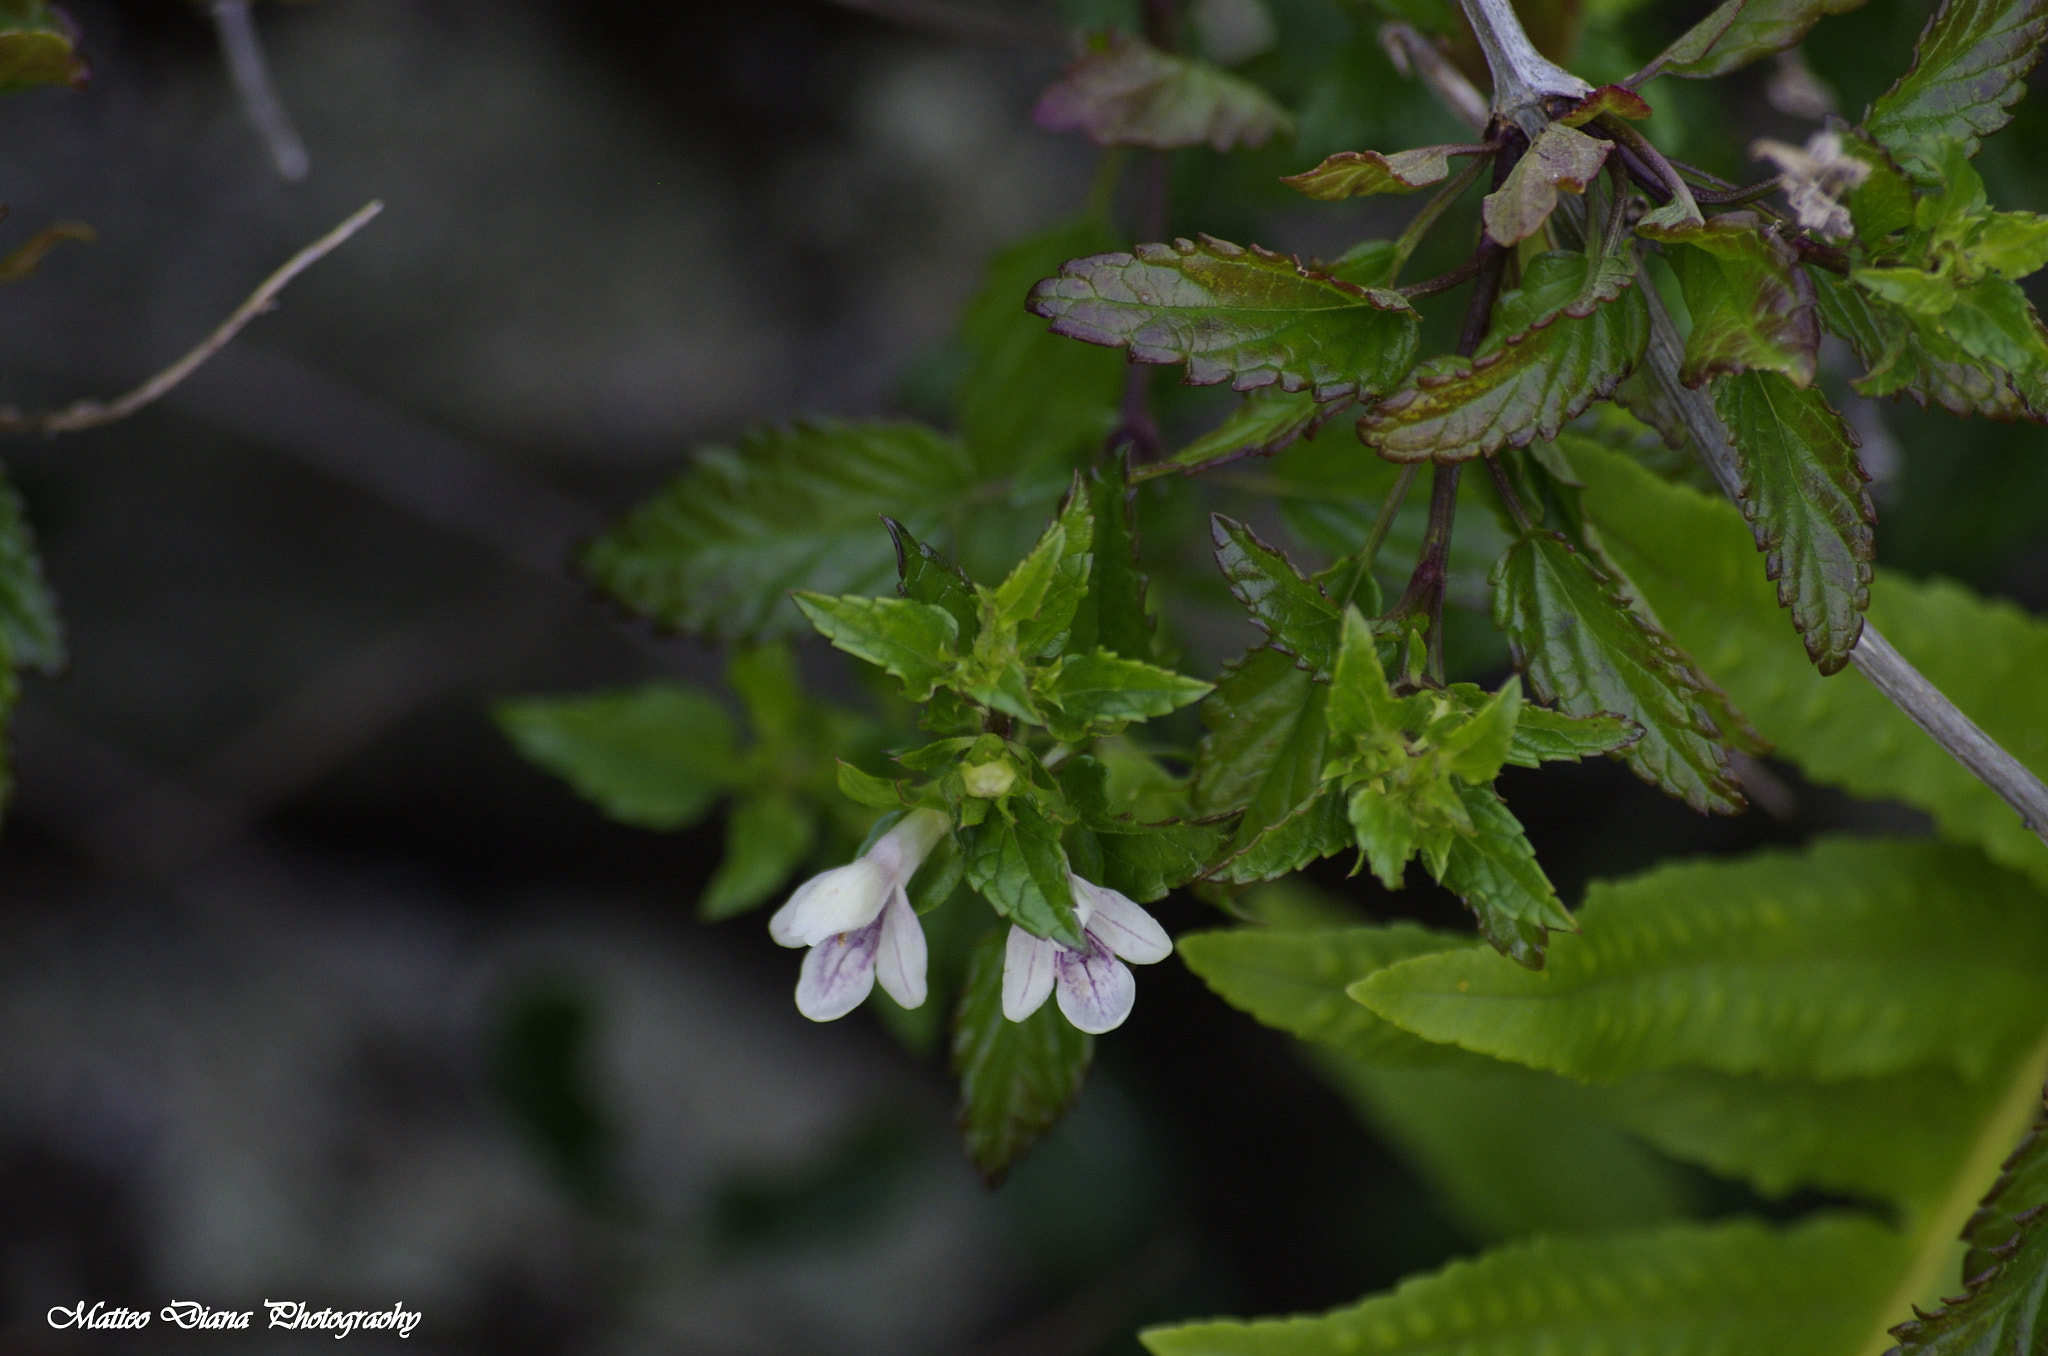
x=310, y=988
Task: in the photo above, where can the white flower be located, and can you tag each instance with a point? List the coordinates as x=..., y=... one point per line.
x=1096, y=989
x=1814, y=179
x=859, y=925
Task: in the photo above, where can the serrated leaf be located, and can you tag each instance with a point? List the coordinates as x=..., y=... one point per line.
x=1619, y=100
x=1752, y=305
x=1909, y=954
x=1560, y=160
x=1014, y=860
x=38, y=46
x=925, y=576
x=1802, y=492
x=718, y=550
x=1969, y=68
x=1907, y=354
x=1098, y=693
x=1294, y=612
x=1355, y=174
x=1111, y=615
x=655, y=757
x=1264, y=754
x=1125, y=92
x=862, y=789
x=1311, y=830
x=1546, y=736
x=1296, y=981
x=1587, y=652
x=1246, y=316
x=1029, y=402
x=914, y=641
x=1693, y=559
x=1044, y=618
x=1017, y=1079
x=1686, y=1288
x=2004, y=1310
x=1564, y=340
x=766, y=838
x=1144, y=862
x=1267, y=421
x=1494, y=871
x=1692, y=46
x=1759, y=28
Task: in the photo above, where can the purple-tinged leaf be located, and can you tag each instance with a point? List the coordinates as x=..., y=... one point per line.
x=1969, y=68
x=1564, y=340
x=1017, y=1079
x=1355, y=174
x=1616, y=99
x=1802, y=492
x=1246, y=316
x=1752, y=304
x=1559, y=160
x=1125, y=92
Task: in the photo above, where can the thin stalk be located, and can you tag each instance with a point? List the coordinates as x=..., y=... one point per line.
x=1424, y=595
x=1735, y=197
x=1426, y=219
x=243, y=51
x=1624, y=133
x=1444, y=282
x=1508, y=497
x=1382, y=523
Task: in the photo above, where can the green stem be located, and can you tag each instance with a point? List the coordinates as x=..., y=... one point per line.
x=1431, y=210
x=1382, y=523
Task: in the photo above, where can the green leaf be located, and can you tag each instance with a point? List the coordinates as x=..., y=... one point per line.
x=38, y=46
x=1560, y=159
x=1494, y=871
x=1247, y=316
x=1758, y=29
x=1111, y=615
x=1969, y=68
x=862, y=789
x=1908, y=354
x=2004, y=1311
x=1687, y=1288
x=1017, y=1079
x=1125, y=92
x=1263, y=755
x=1294, y=612
x=1565, y=339
x=1802, y=492
x=1546, y=736
x=719, y=549
x=766, y=838
x=1508, y=1153
x=1268, y=420
x=1296, y=981
x=1691, y=46
x=1695, y=564
x=654, y=757
x=914, y=641
x=1586, y=651
x=1098, y=693
x=1146, y=862
x=1355, y=174
x=925, y=576
x=1029, y=402
x=1044, y=593
x=1015, y=862
x=1752, y=304
x=1850, y=959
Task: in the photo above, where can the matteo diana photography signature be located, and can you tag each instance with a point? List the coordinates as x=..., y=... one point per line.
x=296, y=1314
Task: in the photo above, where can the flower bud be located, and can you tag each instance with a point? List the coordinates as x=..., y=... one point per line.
x=989, y=780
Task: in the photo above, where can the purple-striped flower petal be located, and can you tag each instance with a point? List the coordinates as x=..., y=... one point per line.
x=1122, y=926
x=1027, y=973
x=838, y=974
x=844, y=899
x=1096, y=990
x=899, y=963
